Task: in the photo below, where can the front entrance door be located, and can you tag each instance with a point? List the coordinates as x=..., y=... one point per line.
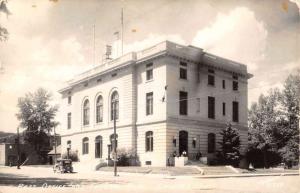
x=183, y=142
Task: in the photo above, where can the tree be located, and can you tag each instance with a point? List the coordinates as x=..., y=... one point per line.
x=289, y=135
x=230, y=146
x=3, y=30
x=263, y=123
x=274, y=123
x=36, y=115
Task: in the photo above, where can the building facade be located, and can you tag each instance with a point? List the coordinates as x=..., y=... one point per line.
x=169, y=98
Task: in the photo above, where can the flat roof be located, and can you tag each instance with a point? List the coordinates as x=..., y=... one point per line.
x=190, y=52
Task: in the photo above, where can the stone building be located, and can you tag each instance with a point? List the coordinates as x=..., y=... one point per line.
x=169, y=98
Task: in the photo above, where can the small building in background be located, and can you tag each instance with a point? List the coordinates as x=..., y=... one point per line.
x=9, y=154
x=52, y=155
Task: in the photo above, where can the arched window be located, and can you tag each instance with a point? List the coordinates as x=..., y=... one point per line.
x=98, y=147
x=85, y=145
x=99, y=109
x=114, y=105
x=149, y=141
x=86, y=112
x=112, y=139
x=211, y=143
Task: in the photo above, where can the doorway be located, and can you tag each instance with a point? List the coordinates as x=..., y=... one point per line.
x=183, y=142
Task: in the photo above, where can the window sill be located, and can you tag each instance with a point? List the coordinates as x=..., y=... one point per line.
x=151, y=80
x=183, y=79
x=183, y=115
x=99, y=123
x=85, y=126
x=213, y=86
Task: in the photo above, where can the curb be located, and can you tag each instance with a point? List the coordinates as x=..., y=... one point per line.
x=247, y=175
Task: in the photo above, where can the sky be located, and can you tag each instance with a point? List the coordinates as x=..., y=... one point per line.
x=50, y=41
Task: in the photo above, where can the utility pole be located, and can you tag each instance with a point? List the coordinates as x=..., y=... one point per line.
x=18, y=148
x=115, y=140
x=54, y=146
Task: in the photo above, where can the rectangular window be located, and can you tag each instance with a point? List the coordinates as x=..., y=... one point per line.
x=211, y=77
x=224, y=109
x=235, y=85
x=149, y=141
x=149, y=71
x=211, y=80
x=183, y=71
x=69, y=120
x=211, y=107
x=211, y=71
x=235, y=111
x=69, y=99
x=223, y=84
x=149, y=103
x=183, y=103
x=211, y=146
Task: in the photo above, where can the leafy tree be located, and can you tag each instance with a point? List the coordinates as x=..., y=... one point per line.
x=230, y=146
x=289, y=134
x=274, y=123
x=3, y=30
x=263, y=124
x=36, y=115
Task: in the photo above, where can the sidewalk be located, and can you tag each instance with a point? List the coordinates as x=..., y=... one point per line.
x=168, y=172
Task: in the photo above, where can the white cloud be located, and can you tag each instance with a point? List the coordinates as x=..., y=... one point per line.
x=237, y=36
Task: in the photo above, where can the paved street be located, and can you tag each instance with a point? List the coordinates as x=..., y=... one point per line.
x=37, y=179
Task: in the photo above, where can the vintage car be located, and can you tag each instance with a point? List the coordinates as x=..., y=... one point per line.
x=63, y=166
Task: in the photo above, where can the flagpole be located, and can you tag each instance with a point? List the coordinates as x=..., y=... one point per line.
x=122, y=29
x=94, y=45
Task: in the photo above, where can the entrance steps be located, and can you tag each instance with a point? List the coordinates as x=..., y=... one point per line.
x=212, y=170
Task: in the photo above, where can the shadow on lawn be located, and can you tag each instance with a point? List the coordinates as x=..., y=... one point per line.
x=7, y=179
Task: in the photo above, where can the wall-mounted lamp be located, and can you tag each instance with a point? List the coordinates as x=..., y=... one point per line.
x=10, y=147
x=174, y=141
x=194, y=142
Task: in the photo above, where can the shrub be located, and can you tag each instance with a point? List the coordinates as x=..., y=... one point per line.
x=72, y=155
x=230, y=146
x=126, y=157
x=256, y=158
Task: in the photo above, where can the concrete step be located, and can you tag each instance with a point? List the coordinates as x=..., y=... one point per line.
x=215, y=170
